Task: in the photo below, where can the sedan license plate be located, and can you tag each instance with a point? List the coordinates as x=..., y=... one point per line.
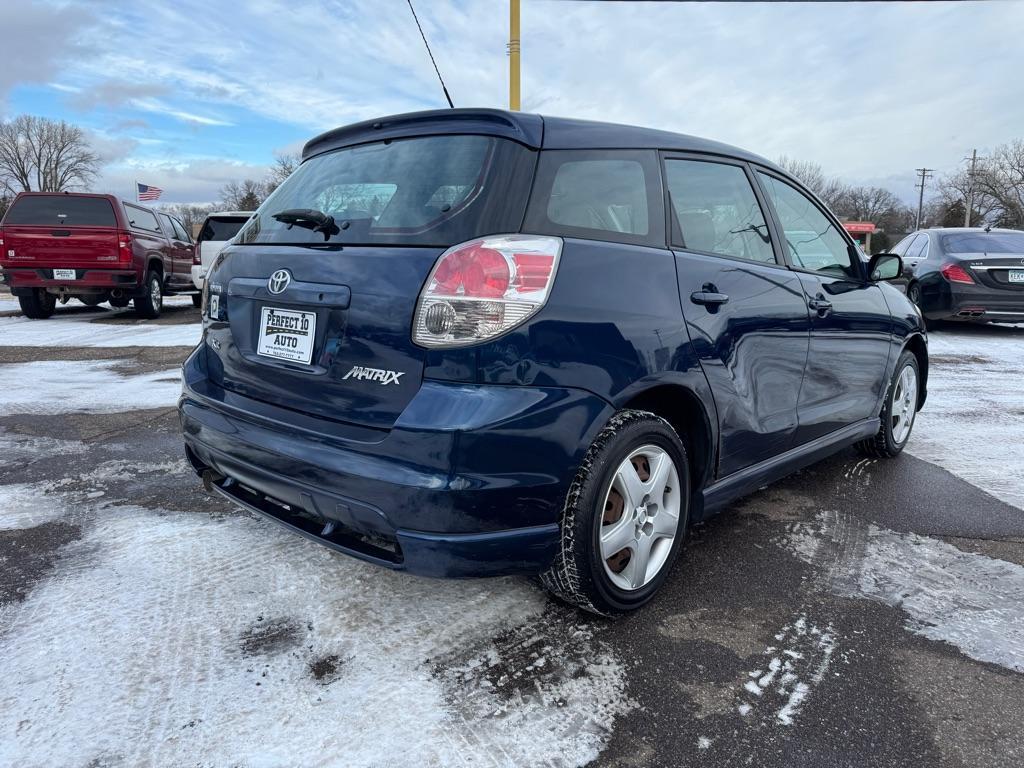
x=1017, y=275
x=65, y=274
x=286, y=334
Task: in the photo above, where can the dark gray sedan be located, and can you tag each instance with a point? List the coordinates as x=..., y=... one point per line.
x=966, y=273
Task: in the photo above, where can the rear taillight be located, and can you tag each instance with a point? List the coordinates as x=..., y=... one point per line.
x=480, y=289
x=956, y=274
x=124, y=247
x=197, y=254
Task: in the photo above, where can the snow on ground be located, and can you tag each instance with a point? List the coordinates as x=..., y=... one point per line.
x=973, y=422
x=77, y=331
x=9, y=304
x=176, y=639
x=966, y=599
x=84, y=386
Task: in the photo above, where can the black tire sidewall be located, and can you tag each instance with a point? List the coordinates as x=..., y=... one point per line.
x=647, y=431
x=144, y=304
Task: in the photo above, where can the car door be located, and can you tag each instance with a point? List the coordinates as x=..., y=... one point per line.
x=179, y=251
x=851, y=327
x=745, y=311
x=916, y=253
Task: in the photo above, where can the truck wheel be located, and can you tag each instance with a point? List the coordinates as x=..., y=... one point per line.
x=120, y=302
x=624, y=518
x=197, y=300
x=898, y=412
x=149, y=304
x=92, y=300
x=37, y=305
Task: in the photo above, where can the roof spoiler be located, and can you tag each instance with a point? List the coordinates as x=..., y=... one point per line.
x=526, y=129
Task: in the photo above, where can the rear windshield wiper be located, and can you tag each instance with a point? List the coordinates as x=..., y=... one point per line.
x=309, y=218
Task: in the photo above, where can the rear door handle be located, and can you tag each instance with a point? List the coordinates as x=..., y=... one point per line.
x=708, y=296
x=820, y=305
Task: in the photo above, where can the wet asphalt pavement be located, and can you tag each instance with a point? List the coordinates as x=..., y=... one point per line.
x=795, y=630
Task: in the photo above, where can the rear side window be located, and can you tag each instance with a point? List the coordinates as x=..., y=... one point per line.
x=140, y=218
x=221, y=228
x=426, y=190
x=179, y=231
x=984, y=242
x=599, y=195
x=917, y=250
x=62, y=211
x=812, y=241
x=716, y=210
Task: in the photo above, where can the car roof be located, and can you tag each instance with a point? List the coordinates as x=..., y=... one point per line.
x=537, y=131
x=238, y=214
x=963, y=230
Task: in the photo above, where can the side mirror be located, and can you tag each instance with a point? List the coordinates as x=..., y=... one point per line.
x=885, y=266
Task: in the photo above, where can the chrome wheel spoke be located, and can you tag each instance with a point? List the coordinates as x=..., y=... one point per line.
x=666, y=523
x=628, y=483
x=636, y=572
x=904, y=404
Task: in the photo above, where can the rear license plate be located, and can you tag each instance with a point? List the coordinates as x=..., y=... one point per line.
x=286, y=334
x=65, y=274
x=1017, y=275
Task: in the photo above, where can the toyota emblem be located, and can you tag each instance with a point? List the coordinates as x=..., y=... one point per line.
x=279, y=281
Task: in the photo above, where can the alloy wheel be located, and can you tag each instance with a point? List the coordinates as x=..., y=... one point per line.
x=904, y=405
x=640, y=518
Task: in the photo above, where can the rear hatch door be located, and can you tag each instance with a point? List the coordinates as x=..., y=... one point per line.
x=311, y=306
x=61, y=231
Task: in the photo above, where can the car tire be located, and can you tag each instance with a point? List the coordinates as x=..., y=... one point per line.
x=197, y=300
x=914, y=295
x=598, y=516
x=37, y=305
x=93, y=300
x=150, y=304
x=898, y=412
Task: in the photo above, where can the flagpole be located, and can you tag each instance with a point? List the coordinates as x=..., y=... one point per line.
x=136, y=190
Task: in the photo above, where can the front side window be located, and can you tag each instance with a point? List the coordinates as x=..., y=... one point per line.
x=599, y=195
x=179, y=231
x=812, y=241
x=426, y=190
x=716, y=210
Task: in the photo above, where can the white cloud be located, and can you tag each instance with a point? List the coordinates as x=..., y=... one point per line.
x=868, y=90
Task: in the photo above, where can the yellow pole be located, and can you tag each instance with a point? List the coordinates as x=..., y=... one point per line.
x=513, y=55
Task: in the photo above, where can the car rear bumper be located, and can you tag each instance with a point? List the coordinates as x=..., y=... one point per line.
x=87, y=280
x=470, y=481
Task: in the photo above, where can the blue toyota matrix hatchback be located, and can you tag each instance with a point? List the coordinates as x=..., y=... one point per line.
x=473, y=342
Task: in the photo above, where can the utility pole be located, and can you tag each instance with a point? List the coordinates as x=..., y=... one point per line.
x=926, y=173
x=513, y=55
x=970, y=189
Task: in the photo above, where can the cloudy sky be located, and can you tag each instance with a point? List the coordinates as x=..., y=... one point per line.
x=189, y=94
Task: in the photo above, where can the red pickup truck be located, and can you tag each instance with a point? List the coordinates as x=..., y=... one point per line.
x=93, y=248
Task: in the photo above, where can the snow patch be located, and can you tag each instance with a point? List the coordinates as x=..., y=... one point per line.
x=79, y=331
x=973, y=419
x=799, y=662
x=26, y=505
x=966, y=599
x=88, y=386
x=175, y=639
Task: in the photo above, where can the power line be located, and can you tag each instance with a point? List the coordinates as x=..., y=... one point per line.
x=430, y=54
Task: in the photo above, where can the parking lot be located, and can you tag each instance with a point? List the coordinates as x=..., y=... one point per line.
x=860, y=612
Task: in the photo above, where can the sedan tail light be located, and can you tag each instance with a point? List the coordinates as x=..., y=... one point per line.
x=956, y=274
x=483, y=288
x=197, y=253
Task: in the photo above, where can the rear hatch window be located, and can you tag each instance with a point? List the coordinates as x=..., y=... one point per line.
x=219, y=228
x=61, y=211
x=428, y=190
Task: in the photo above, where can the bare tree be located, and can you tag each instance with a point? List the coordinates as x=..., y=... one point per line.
x=283, y=167
x=999, y=181
x=243, y=196
x=188, y=214
x=868, y=203
x=829, y=188
x=37, y=154
x=954, y=190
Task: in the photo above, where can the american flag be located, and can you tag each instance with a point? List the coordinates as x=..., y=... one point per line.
x=147, y=192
